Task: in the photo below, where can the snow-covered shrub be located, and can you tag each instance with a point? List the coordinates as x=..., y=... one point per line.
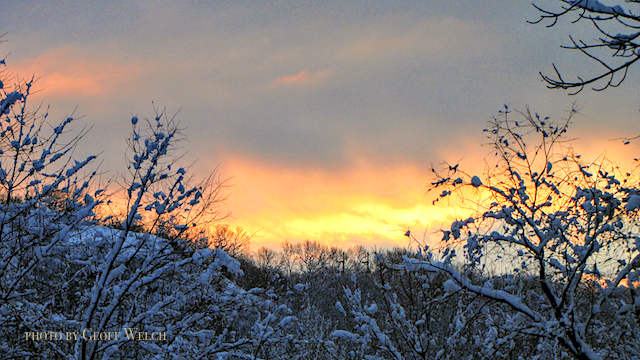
x=566, y=224
x=414, y=313
x=36, y=172
x=141, y=288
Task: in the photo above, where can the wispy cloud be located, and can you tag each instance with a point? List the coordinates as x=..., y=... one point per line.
x=303, y=77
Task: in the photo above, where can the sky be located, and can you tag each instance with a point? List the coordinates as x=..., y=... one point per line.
x=324, y=116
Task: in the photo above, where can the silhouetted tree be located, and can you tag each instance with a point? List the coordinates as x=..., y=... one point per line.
x=615, y=49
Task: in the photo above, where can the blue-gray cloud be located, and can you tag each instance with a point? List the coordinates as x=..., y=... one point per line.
x=400, y=81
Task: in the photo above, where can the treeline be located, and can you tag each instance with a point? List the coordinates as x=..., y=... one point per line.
x=358, y=303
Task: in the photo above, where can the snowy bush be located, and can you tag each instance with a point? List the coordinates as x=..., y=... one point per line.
x=144, y=287
x=566, y=224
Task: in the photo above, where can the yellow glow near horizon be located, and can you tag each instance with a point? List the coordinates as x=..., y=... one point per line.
x=362, y=204
x=370, y=205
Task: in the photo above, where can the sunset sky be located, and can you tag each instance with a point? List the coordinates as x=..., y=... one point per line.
x=326, y=115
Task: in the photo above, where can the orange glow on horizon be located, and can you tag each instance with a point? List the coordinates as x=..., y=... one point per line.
x=365, y=204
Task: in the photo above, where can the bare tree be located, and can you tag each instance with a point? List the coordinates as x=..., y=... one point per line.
x=615, y=49
x=233, y=241
x=267, y=258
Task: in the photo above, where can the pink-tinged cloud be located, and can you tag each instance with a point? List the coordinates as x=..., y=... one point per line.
x=302, y=77
x=68, y=73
